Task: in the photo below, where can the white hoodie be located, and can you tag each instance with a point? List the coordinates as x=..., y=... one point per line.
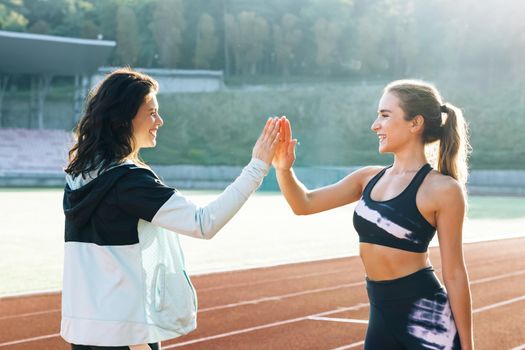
x=124, y=277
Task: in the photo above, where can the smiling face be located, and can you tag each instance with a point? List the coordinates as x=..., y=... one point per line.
x=146, y=123
x=393, y=130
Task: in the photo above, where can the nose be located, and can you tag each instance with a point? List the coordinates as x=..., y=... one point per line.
x=375, y=125
x=160, y=121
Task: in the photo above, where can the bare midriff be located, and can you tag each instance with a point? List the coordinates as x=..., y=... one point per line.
x=386, y=263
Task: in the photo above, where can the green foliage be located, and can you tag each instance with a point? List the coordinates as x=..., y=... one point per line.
x=167, y=27
x=247, y=35
x=323, y=38
x=332, y=123
x=127, y=35
x=327, y=35
x=207, y=42
x=287, y=37
x=11, y=18
x=477, y=54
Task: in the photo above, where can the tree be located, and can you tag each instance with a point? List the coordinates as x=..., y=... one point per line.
x=286, y=38
x=368, y=42
x=40, y=27
x=167, y=27
x=127, y=36
x=327, y=34
x=11, y=19
x=66, y=17
x=247, y=35
x=207, y=43
x=402, y=32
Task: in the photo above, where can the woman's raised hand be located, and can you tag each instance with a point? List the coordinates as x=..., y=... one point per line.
x=266, y=144
x=285, y=153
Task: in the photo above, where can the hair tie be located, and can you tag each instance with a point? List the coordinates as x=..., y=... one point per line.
x=443, y=109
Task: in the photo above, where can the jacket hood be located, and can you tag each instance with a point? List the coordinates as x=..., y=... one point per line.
x=82, y=195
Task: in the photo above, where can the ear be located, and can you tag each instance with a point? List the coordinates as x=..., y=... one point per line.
x=417, y=124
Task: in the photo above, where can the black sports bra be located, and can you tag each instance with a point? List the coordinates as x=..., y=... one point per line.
x=396, y=222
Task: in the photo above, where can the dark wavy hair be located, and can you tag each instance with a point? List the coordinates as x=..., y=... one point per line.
x=104, y=134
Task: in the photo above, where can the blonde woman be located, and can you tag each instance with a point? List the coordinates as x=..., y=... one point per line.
x=400, y=207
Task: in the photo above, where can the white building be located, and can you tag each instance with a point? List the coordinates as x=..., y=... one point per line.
x=176, y=80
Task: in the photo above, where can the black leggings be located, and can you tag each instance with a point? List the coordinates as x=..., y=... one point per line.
x=410, y=312
x=154, y=346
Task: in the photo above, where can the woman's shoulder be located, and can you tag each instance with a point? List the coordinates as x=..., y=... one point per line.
x=366, y=173
x=443, y=187
x=370, y=170
x=136, y=175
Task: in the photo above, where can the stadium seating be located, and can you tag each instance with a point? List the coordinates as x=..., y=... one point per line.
x=32, y=151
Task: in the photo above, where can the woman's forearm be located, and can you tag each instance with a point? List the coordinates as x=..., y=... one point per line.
x=294, y=191
x=179, y=214
x=460, y=302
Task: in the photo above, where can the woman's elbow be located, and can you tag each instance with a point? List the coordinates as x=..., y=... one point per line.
x=301, y=211
x=208, y=234
x=205, y=225
x=455, y=275
x=206, y=230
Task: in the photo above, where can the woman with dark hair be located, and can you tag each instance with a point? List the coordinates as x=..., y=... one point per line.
x=125, y=285
x=399, y=209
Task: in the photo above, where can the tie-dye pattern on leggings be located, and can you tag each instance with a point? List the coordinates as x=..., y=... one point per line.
x=411, y=312
x=431, y=321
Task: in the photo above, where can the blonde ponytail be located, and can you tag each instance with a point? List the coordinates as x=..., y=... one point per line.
x=454, y=146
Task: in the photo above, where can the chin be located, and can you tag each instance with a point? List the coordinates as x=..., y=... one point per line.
x=385, y=149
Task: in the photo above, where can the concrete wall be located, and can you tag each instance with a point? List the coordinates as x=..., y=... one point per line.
x=481, y=182
x=58, y=113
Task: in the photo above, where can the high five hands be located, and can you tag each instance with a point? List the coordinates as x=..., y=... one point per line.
x=285, y=153
x=275, y=144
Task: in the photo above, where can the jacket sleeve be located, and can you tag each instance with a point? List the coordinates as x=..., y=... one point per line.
x=163, y=206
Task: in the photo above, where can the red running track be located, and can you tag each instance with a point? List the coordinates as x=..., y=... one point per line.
x=313, y=305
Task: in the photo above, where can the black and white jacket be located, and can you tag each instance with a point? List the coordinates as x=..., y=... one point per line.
x=124, y=277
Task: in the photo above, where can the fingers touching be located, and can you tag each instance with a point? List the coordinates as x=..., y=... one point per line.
x=275, y=145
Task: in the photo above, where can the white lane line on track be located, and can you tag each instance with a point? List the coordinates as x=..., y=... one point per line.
x=27, y=340
x=475, y=311
x=30, y=314
x=502, y=303
x=268, y=325
x=350, y=346
x=488, y=307
x=490, y=279
x=244, y=284
x=336, y=319
x=282, y=296
x=327, y=289
x=482, y=280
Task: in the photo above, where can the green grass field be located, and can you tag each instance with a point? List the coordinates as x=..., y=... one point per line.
x=479, y=207
x=264, y=232
x=487, y=207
